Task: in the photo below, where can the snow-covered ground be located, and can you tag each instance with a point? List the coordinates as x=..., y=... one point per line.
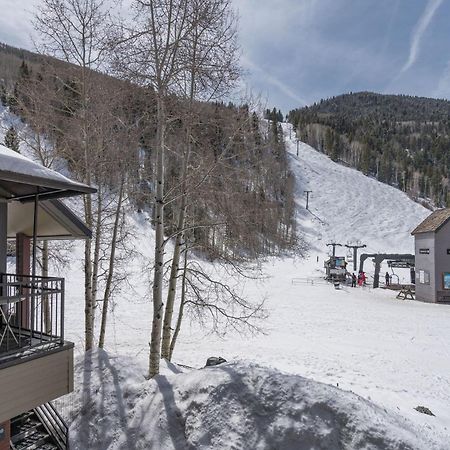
x=393, y=353
x=237, y=405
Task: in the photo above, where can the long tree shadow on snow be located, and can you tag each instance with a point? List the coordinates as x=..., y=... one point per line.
x=175, y=421
x=104, y=362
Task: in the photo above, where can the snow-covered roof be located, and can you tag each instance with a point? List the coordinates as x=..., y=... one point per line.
x=22, y=178
x=433, y=222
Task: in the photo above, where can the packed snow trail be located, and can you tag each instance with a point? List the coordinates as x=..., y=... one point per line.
x=345, y=205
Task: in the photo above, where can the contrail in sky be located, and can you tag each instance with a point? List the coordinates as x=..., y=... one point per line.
x=419, y=30
x=274, y=81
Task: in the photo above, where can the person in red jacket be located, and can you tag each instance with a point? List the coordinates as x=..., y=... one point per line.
x=363, y=278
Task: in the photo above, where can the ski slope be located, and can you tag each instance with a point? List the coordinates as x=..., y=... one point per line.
x=345, y=205
x=395, y=354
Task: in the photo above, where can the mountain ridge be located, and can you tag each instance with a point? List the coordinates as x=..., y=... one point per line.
x=401, y=140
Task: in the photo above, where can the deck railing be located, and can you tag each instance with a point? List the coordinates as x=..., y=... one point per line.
x=32, y=312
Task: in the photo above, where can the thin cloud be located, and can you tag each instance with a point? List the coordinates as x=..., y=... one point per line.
x=283, y=87
x=419, y=30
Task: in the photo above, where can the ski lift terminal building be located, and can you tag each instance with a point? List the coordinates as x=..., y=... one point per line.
x=432, y=249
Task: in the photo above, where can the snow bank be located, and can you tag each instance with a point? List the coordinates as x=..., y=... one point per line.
x=236, y=405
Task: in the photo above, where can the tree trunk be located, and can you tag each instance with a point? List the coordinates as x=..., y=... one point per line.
x=168, y=313
x=89, y=307
x=107, y=293
x=155, y=342
x=97, y=243
x=181, y=310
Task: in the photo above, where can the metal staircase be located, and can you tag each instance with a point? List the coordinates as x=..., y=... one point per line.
x=41, y=428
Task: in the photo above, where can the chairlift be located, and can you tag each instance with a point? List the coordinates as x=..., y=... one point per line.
x=349, y=255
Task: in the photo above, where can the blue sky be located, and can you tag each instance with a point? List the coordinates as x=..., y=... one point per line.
x=298, y=51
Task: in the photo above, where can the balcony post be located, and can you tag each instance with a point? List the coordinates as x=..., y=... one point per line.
x=63, y=293
x=3, y=241
x=23, y=257
x=33, y=264
x=3, y=234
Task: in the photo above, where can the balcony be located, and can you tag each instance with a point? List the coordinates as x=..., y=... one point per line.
x=31, y=315
x=36, y=364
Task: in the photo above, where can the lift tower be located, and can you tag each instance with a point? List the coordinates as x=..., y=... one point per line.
x=334, y=245
x=355, y=253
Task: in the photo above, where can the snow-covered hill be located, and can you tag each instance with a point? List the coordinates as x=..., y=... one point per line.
x=392, y=353
x=345, y=205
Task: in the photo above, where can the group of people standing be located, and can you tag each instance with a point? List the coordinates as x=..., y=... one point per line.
x=361, y=279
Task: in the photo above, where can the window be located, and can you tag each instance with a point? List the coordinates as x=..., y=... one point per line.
x=446, y=280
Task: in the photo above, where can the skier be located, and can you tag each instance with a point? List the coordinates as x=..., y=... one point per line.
x=388, y=279
x=363, y=278
x=353, y=280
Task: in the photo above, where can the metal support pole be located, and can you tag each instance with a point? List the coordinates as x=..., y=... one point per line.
x=376, y=275
x=63, y=290
x=307, y=198
x=33, y=264
x=355, y=253
x=3, y=246
x=297, y=146
x=3, y=235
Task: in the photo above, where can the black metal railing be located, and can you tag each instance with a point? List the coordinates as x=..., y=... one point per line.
x=54, y=424
x=31, y=312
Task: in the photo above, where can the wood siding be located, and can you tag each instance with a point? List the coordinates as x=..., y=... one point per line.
x=31, y=383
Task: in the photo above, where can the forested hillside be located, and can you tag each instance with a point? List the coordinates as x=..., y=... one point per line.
x=249, y=204
x=401, y=140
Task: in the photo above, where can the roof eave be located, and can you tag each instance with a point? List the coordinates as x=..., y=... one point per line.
x=55, y=189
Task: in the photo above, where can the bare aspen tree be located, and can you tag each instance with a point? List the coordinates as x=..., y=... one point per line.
x=211, y=70
x=73, y=30
x=150, y=52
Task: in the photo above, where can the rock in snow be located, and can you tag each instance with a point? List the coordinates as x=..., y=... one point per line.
x=237, y=405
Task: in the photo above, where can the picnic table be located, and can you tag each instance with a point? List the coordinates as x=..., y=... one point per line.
x=406, y=293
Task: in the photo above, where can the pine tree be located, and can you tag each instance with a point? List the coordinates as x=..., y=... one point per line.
x=3, y=96
x=12, y=139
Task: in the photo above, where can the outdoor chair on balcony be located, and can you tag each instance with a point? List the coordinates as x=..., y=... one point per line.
x=8, y=314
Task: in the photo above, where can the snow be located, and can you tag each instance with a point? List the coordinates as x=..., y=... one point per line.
x=236, y=405
x=357, y=358
x=389, y=352
x=11, y=161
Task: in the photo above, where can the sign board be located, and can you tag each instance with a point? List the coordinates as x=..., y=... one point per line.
x=425, y=251
x=424, y=277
